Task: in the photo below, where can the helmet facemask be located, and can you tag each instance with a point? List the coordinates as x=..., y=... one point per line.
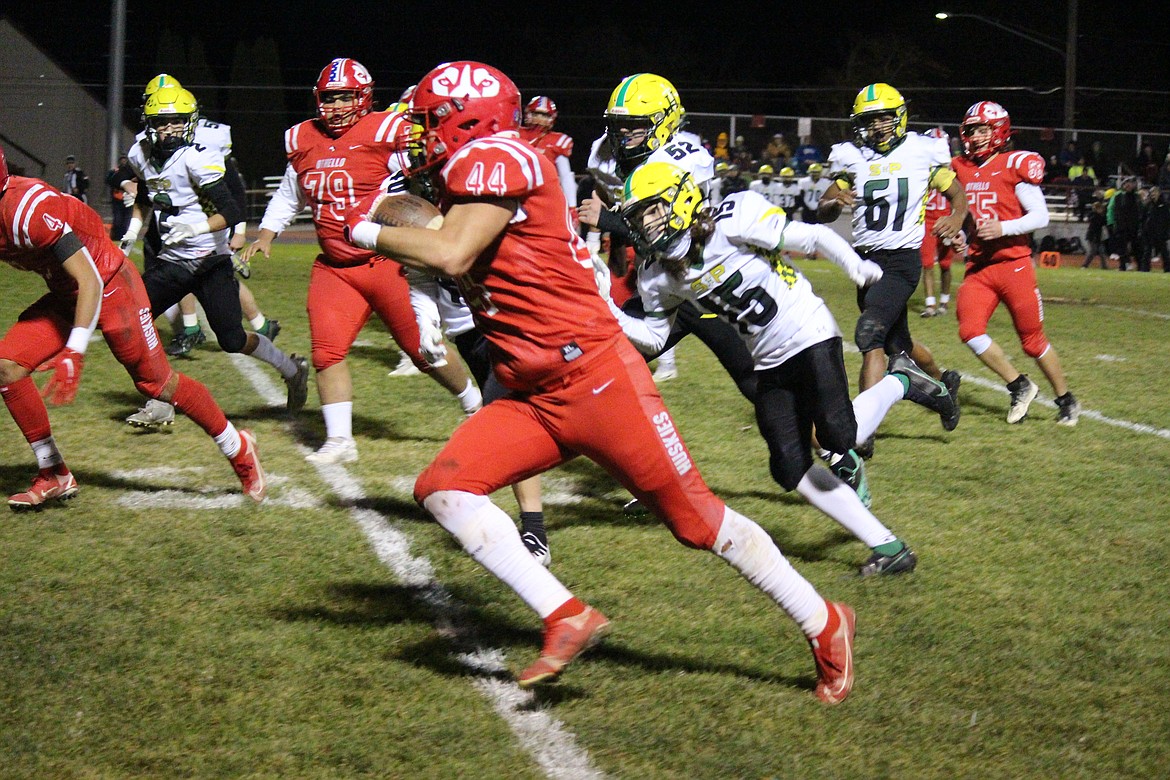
x=340, y=109
x=661, y=209
x=880, y=130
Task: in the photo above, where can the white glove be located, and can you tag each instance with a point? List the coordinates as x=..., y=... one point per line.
x=601, y=276
x=182, y=231
x=865, y=273
x=126, y=243
x=431, y=342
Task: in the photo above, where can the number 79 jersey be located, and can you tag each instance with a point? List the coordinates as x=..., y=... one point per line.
x=891, y=189
x=742, y=277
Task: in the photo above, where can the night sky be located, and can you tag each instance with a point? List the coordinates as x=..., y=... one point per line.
x=777, y=58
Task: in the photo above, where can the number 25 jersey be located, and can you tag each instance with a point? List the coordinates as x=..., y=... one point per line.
x=891, y=189
x=991, y=194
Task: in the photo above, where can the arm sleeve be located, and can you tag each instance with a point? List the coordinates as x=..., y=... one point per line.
x=234, y=183
x=1035, y=211
x=225, y=205
x=806, y=238
x=286, y=203
x=649, y=335
x=568, y=182
x=424, y=297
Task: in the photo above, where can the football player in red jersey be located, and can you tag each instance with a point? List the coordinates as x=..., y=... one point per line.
x=91, y=285
x=935, y=251
x=1003, y=188
x=540, y=115
x=334, y=161
x=580, y=387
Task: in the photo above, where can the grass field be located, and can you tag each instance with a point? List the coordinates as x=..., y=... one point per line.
x=160, y=626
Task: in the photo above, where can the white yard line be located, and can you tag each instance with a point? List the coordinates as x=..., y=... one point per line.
x=1139, y=312
x=554, y=748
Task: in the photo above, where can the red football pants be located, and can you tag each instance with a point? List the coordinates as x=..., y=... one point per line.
x=1014, y=283
x=607, y=410
x=341, y=301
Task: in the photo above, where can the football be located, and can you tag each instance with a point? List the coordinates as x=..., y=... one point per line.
x=407, y=210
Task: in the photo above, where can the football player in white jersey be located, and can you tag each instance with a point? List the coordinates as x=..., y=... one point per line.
x=728, y=261
x=189, y=334
x=644, y=121
x=764, y=184
x=788, y=191
x=181, y=184
x=812, y=187
x=885, y=174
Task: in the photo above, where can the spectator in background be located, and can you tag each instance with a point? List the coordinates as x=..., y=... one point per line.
x=805, y=155
x=1069, y=156
x=75, y=182
x=1094, y=234
x=733, y=182
x=122, y=202
x=1146, y=164
x=721, y=150
x=1125, y=215
x=777, y=152
x=1155, y=230
x=1083, y=178
x=1164, y=175
x=741, y=155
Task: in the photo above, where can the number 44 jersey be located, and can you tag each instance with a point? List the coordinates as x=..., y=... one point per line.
x=743, y=278
x=891, y=189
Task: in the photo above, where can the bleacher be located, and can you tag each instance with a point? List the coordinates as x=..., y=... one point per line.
x=258, y=201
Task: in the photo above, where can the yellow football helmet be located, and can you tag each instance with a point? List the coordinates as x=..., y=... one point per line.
x=871, y=107
x=644, y=113
x=660, y=203
x=767, y=169
x=787, y=173
x=163, y=108
x=158, y=82
x=816, y=168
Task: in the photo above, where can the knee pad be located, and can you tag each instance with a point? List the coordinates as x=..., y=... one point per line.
x=870, y=334
x=978, y=344
x=478, y=524
x=233, y=342
x=788, y=467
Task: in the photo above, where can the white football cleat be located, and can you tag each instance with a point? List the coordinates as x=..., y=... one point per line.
x=405, y=367
x=336, y=449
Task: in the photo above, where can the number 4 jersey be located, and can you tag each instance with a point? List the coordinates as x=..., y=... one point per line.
x=743, y=279
x=892, y=189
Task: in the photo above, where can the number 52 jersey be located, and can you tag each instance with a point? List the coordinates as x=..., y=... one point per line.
x=743, y=279
x=891, y=189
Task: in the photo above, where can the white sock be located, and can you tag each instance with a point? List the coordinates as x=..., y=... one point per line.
x=749, y=549
x=270, y=354
x=930, y=301
x=229, y=440
x=191, y=320
x=839, y=501
x=338, y=420
x=666, y=359
x=471, y=400
x=944, y=299
x=872, y=406
x=47, y=453
x=491, y=538
x=258, y=321
x=593, y=241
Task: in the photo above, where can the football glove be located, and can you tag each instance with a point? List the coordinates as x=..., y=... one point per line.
x=63, y=384
x=243, y=267
x=183, y=231
x=865, y=273
x=430, y=342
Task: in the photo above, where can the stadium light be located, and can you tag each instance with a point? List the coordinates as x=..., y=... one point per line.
x=1069, y=53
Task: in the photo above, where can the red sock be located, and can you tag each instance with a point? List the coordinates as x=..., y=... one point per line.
x=570, y=608
x=27, y=409
x=193, y=399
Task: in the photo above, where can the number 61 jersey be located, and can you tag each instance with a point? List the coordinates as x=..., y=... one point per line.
x=891, y=189
x=742, y=277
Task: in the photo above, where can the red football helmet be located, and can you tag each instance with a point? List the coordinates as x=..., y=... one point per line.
x=344, y=75
x=3, y=171
x=996, y=118
x=452, y=105
x=937, y=132
x=540, y=112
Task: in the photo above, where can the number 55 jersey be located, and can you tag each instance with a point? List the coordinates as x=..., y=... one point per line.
x=892, y=188
x=742, y=278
